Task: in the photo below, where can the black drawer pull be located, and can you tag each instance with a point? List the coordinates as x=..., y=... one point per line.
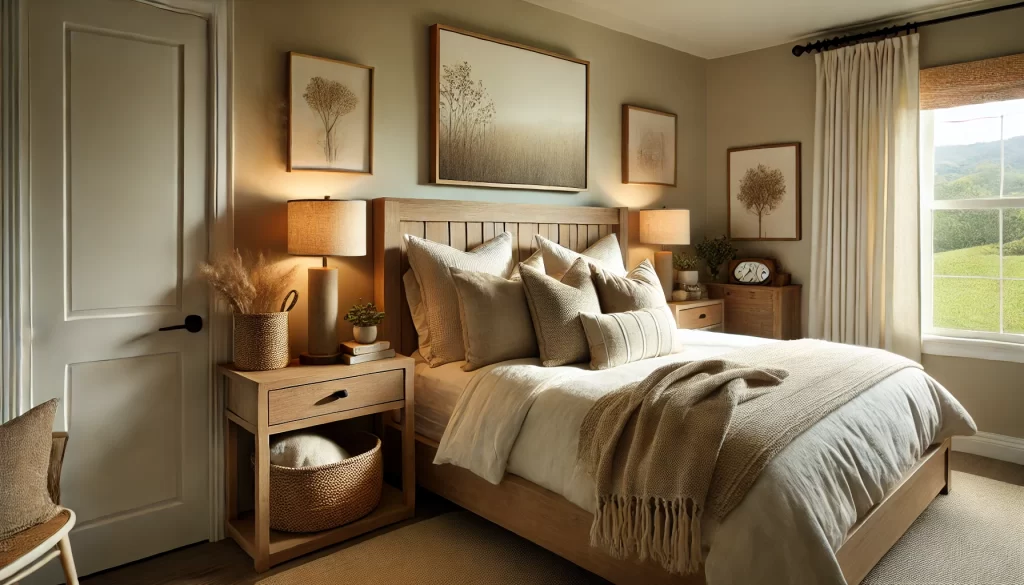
x=702, y=316
x=332, y=397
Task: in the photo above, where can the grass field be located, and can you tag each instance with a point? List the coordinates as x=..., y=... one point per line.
x=962, y=303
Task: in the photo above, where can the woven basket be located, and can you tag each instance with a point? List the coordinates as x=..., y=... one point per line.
x=261, y=341
x=309, y=499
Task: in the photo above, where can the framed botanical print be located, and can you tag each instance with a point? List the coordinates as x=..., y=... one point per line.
x=648, y=146
x=330, y=115
x=764, y=192
x=506, y=115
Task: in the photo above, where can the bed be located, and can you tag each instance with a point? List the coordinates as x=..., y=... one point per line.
x=543, y=510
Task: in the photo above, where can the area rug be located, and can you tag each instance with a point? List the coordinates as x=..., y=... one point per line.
x=974, y=536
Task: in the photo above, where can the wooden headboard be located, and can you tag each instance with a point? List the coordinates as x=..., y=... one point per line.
x=464, y=225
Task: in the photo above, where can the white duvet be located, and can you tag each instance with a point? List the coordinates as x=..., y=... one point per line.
x=518, y=417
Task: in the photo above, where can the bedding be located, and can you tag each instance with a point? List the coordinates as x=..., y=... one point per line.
x=639, y=289
x=496, y=323
x=605, y=253
x=620, y=338
x=555, y=306
x=521, y=418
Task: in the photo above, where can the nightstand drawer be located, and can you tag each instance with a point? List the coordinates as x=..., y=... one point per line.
x=299, y=402
x=698, y=317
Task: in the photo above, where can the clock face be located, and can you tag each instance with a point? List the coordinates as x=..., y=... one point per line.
x=751, y=273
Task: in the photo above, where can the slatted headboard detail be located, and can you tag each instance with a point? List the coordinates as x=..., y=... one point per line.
x=464, y=225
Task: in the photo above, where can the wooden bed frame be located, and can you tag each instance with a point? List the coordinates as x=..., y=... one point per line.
x=532, y=512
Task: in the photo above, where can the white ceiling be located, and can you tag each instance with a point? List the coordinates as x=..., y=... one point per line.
x=717, y=28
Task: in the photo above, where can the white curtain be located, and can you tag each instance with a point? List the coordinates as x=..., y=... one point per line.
x=865, y=256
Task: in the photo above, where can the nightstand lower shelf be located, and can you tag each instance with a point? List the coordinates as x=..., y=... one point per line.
x=285, y=546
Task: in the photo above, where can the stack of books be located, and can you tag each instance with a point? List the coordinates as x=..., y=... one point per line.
x=357, y=353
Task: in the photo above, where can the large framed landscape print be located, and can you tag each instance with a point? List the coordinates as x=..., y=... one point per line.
x=764, y=192
x=507, y=115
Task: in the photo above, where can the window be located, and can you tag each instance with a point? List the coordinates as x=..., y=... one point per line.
x=972, y=221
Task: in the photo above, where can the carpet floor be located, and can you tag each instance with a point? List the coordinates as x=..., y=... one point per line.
x=975, y=536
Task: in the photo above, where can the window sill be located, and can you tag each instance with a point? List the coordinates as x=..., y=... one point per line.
x=981, y=349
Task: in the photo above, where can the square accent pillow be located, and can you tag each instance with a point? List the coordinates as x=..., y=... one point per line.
x=496, y=323
x=432, y=263
x=604, y=253
x=25, y=447
x=621, y=338
x=640, y=289
x=555, y=305
x=535, y=261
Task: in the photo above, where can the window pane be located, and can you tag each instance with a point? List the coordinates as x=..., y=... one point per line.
x=1013, y=135
x=1013, y=306
x=966, y=242
x=968, y=157
x=966, y=303
x=1013, y=243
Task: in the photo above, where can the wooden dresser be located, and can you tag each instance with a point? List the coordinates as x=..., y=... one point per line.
x=762, y=311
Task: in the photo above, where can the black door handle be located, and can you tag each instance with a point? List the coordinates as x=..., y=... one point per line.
x=193, y=324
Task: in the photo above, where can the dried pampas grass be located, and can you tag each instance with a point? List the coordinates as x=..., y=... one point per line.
x=250, y=284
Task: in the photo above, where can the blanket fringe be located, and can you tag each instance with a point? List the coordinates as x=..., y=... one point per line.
x=666, y=531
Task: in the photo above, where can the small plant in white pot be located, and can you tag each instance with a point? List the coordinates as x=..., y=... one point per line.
x=686, y=269
x=364, y=320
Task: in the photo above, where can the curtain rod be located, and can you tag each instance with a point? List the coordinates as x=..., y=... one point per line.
x=836, y=42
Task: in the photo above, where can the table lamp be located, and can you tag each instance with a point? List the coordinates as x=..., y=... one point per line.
x=667, y=227
x=325, y=227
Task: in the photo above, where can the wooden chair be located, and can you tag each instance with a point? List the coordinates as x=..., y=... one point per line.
x=27, y=551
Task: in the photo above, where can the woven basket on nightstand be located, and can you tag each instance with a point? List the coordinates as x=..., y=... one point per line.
x=309, y=499
x=261, y=341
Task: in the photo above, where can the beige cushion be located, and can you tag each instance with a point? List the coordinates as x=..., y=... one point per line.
x=496, y=323
x=621, y=338
x=24, y=464
x=640, y=289
x=414, y=298
x=555, y=306
x=535, y=261
x=605, y=253
x=432, y=263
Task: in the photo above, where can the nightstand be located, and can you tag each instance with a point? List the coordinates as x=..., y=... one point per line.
x=704, y=314
x=298, y=397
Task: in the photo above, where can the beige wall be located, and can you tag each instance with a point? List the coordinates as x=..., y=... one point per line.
x=393, y=37
x=768, y=96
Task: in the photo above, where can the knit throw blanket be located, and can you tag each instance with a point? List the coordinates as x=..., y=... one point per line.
x=692, y=438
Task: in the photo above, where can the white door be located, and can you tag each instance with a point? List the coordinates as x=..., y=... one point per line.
x=118, y=156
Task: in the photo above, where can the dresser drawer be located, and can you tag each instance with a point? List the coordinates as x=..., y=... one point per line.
x=750, y=296
x=299, y=402
x=698, y=317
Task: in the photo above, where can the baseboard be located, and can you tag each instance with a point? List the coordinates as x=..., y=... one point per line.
x=992, y=446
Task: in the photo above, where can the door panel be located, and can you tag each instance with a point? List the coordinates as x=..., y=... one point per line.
x=118, y=139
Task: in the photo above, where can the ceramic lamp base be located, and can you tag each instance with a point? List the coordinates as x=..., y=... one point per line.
x=319, y=360
x=663, y=266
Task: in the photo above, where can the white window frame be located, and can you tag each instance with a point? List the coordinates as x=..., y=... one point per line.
x=939, y=340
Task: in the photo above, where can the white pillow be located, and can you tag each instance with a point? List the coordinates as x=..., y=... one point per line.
x=305, y=449
x=605, y=253
x=414, y=298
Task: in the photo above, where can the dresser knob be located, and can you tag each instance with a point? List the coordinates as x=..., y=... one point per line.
x=702, y=316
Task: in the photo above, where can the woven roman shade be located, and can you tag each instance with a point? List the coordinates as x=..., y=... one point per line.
x=962, y=84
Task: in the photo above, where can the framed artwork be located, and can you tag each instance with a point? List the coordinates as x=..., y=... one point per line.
x=507, y=115
x=648, y=146
x=330, y=115
x=764, y=192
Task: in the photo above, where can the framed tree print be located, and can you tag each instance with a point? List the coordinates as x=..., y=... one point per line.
x=764, y=192
x=330, y=115
x=506, y=115
x=648, y=146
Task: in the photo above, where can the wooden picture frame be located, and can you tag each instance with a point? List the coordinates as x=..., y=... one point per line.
x=781, y=162
x=634, y=169
x=493, y=169
x=306, y=123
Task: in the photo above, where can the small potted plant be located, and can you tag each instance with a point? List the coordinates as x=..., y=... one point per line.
x=364, y=319
x=714, y=253
x=686, y=269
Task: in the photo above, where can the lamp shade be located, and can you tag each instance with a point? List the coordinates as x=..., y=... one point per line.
x=326, y=227
x=665, y=226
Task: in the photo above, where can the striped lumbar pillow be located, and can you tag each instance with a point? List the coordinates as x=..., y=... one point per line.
x=621, y=338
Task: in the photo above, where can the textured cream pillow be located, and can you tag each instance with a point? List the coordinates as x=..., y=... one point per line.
x=640, y=289
x=605, y=253
x=414, y=298
x=496, y=324
x=621, y=338
x=535, y=261
x=432, y=263
x=555, y=306
x=24, y=466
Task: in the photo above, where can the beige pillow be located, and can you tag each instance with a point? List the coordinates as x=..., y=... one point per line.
x=621, y=338
x=496, y=324
x=555, y=306
x=605, y=253
x=24, y=466
x=535, y=261
x=640, y=289
x=414, y=298
x=432, y=263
